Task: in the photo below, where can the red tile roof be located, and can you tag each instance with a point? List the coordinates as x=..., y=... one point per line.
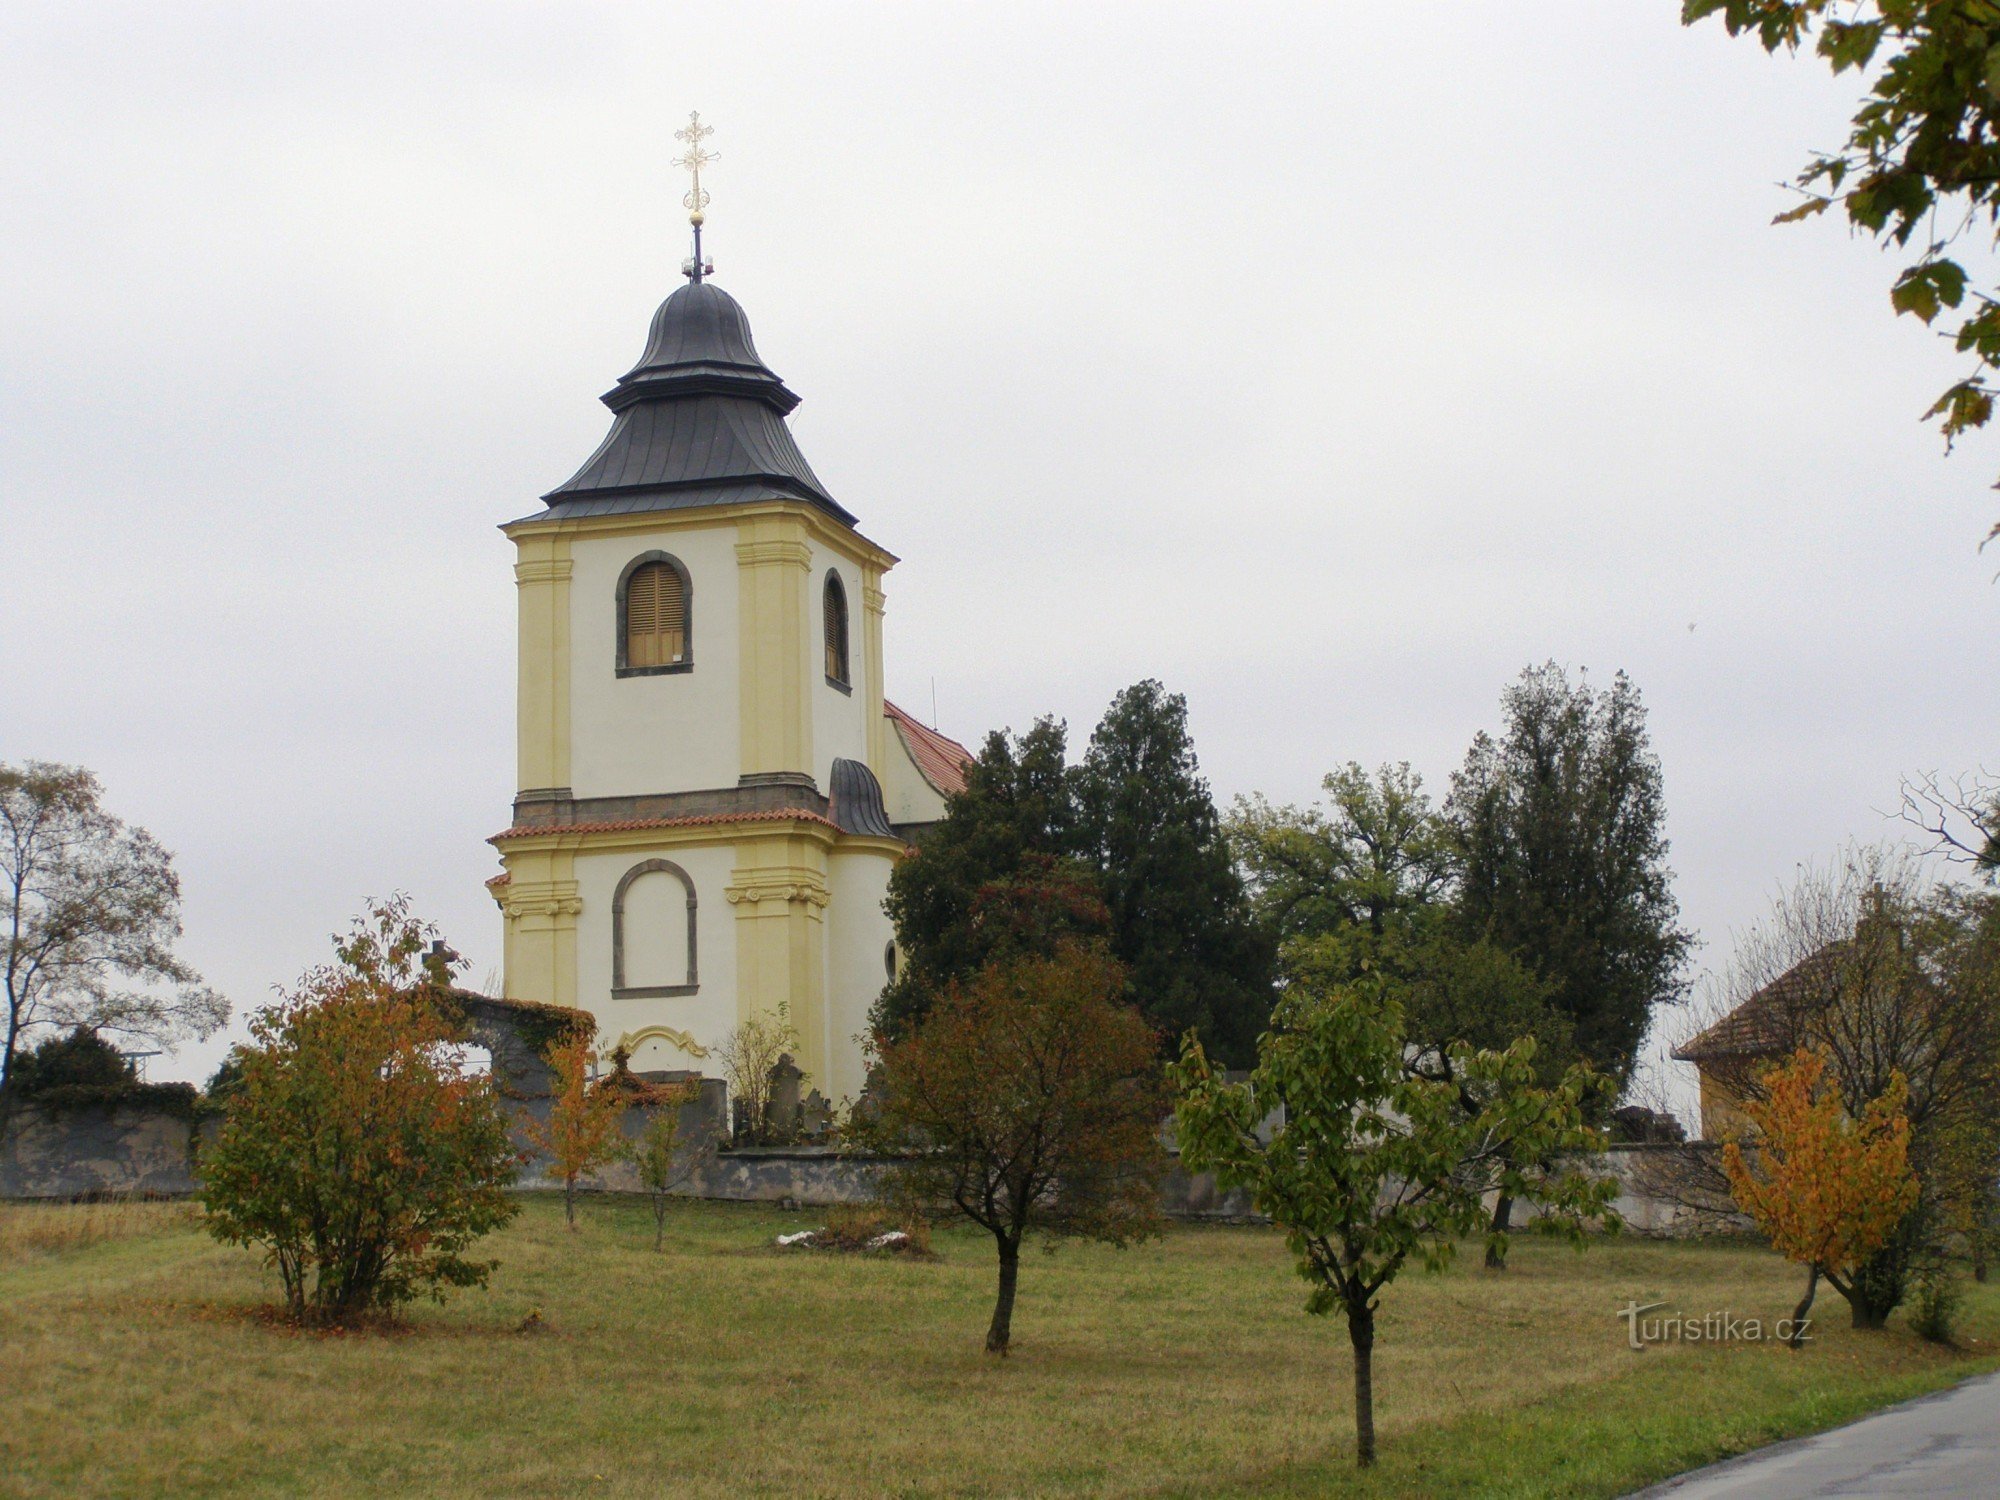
x=941, y=760
x=1769, y=1021
x=621, y=825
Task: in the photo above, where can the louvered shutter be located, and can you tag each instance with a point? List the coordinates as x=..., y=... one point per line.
x=835, y=627
x=672, y=615
x=642, y=617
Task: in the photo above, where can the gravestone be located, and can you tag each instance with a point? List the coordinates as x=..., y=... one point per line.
x=782, y=1113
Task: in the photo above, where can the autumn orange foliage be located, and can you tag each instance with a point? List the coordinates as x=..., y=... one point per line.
x=581, y=1131
x=1829, y=1190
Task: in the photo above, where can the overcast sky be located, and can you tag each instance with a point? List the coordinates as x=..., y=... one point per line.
x=1330, y=363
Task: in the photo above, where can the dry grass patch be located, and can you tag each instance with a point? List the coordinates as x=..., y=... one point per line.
x=720, y=1368
x=32, y=1230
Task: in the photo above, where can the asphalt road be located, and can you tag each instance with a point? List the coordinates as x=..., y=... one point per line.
x=1941, y=1447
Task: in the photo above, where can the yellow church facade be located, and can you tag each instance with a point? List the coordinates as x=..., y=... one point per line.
x=712, y=789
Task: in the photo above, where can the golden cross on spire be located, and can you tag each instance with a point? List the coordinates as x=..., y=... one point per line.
x=694, y=133
x=693, y=160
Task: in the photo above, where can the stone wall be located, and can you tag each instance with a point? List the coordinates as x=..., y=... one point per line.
x=1664, y=1190
x=96, y=1151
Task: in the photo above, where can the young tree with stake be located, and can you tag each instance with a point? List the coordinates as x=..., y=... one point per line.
x=658, y=1156
x=1374, y=1166
x=581, y=1131
x=1027, y=1101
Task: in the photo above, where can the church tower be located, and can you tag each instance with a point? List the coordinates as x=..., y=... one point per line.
x=712, y=790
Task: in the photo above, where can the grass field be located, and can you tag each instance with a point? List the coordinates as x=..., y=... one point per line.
x=136, y=1358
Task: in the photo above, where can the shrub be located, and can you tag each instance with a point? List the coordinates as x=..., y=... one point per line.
x=749, y=1055
x=1935, y=1308
x=78, y=1069
x=354, y=1151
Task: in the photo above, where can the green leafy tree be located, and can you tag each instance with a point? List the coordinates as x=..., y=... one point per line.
x=994, y=878
x=1368, y=888
x=1181, y=922
x=1126, y=846
x=1920, y=169
x=355, y=1150
x=89, y=914
x=1368, y=885
x=1376, y=858
x=1561, y=832
x=1028, y=1102
x=1372, y=1165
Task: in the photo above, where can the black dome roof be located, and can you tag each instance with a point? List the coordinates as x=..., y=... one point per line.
x=700, y=421
x=700, y=335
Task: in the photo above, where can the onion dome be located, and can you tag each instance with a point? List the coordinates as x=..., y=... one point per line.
x=700, y=420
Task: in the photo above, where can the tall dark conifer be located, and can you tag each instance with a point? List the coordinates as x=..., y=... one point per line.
x=1561, y=832
x=1180, y=920
x=995, y=879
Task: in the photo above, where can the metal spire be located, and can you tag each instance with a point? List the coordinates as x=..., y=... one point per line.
x=695, y=199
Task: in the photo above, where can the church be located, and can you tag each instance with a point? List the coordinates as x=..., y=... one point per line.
x=711, y=788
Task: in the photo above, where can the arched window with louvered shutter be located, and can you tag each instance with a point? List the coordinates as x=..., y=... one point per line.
x=836, y=632
x=655, y=617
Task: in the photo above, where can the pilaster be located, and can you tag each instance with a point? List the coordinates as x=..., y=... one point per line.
x=540, y=904
x=873, y=604
x=542, y=581
x=779, y=891
x=773, y=563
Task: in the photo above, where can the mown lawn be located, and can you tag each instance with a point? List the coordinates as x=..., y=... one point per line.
x=136, y=1359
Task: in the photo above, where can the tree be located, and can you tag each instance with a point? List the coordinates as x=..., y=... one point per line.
x=1827, y=1188
x=1888, y=977
x=1028, y=1101
x=749, y=1055
x=79, y=1069
x=1921, y=162
x=79, y=1058
x=1370, y=887
x=657, y=1155
x=1373, y=1165
x=1377, y=857
x=1962, y=817
x=354, y=1149
x=1180, y=921
x=581, y=1131
x=994, y=877
x=1127, y=846
x=1560, y=827
x=89, y=913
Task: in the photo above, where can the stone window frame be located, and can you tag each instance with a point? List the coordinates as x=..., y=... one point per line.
x=836, y=587
x=686, y=663
x=620, y=990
